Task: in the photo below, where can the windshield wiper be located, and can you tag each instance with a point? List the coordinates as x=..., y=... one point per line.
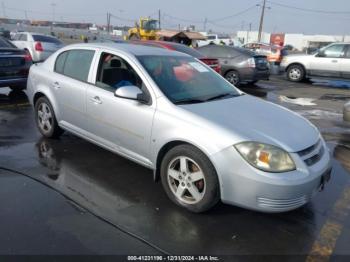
x=188, y=101
x=225, y=95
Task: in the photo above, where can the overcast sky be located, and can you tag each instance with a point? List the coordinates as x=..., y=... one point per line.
x=328, y=17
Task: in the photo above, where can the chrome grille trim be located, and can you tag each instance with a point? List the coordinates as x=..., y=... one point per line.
x=310, y=149
x=282, y=203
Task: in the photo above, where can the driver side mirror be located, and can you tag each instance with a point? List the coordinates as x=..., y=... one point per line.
x=132, y=93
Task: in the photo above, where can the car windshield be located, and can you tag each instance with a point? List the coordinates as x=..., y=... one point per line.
x=185, y=80
x=46, y=39
x=150, y=25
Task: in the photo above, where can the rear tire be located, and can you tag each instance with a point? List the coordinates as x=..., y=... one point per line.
x=295, y=73
x=189, y=178
x=46, y=120
x=233, y=77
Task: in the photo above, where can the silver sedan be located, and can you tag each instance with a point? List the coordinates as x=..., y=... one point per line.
x=205, y=139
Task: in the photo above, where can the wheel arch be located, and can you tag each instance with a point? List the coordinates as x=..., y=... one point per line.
x=51, y=99
x=166, y=148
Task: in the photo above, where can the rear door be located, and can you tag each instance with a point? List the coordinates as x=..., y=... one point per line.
x=72, y=69
x=327, y=63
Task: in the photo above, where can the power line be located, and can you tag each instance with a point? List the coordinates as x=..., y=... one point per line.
x=308, y=10
x=234, y=15
x=183, y=19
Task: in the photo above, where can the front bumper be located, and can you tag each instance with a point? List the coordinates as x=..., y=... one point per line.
x=245, y=186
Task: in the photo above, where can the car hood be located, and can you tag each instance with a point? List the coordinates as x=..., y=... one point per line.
x=252, y=119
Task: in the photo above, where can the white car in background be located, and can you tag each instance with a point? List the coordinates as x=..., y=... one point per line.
x=218, y=39
x=39, y=46
x=332, y=61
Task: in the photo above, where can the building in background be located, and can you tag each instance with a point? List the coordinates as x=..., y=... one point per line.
x=300, y=42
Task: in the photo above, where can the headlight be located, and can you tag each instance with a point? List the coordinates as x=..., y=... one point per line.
x=266, y=157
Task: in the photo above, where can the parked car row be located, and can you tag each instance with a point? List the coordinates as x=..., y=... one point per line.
x=248, y=64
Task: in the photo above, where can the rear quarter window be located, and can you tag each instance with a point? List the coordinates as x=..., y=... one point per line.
x=60, y=61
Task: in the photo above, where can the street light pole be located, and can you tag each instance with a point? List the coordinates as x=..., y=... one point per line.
x=261, y=20
x=53, y=15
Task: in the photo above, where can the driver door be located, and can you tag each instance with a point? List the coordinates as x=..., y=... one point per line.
x=119, y=124
x=327, y=63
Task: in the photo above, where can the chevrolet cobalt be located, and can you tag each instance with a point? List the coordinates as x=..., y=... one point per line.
x=205, y=139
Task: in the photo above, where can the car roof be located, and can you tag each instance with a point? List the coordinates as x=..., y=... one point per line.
x=135, y=49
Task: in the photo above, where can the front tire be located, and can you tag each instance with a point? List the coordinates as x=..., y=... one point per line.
x=190, y=179
x=45, y=119
x=295, y=73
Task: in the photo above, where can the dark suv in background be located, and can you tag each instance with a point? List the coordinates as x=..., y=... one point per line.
x=237, y=64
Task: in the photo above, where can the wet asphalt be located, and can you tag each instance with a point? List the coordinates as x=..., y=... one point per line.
x=69, y=196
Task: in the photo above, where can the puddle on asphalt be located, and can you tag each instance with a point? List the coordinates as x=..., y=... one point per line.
x=331, y=83
x=335, y=97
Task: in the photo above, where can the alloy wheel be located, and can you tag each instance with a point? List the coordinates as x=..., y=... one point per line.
x=186, y=180
x=45, y=119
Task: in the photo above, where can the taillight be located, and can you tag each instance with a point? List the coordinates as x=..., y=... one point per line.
x=218, y=69
x=38, y=47
x=213, y=63
x=251, y=62
x=28, y=57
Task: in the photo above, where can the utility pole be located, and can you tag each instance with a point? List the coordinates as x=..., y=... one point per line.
x=261, y=20
x=205, y=24
x=108, y=21
x=159, y=17
x=248, y=32
x=25, y=14
x=53, y=15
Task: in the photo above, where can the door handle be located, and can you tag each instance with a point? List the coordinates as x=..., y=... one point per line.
x=334, y=61
x=56, y=85
x=96, y=100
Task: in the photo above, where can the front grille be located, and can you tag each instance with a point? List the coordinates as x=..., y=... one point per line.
x=315, y=158
x=309, y=149
x=312, y=154
x=278, y=204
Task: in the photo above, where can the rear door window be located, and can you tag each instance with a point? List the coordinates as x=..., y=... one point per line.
x=75, y=64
